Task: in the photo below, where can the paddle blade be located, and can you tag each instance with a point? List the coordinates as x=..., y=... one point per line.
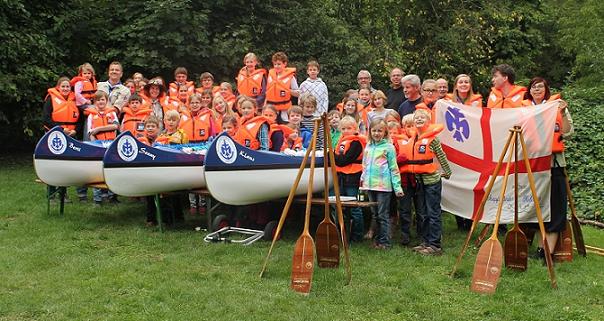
x=487, y=267
x=563, y=251
x=516, y=250
x=328, y=245
x=579, y=242
x=303, y=264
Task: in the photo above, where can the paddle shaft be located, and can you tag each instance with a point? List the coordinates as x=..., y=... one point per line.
x=548, y=256
x=503, y=188
x=325, y=168
x=478, y=215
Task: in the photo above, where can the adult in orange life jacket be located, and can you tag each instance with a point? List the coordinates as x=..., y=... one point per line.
x=134, y=117
x=155, y=98
x=60, y=108
x=253, y=130
x=463, y=93
x=197, y=123
x=539, y=93
x=276, y=131
x=349, y=165
x=504, y=94
x=281, y=85
x=251, y=80
x=102, y=122
x=84, y=85
x=180, y=79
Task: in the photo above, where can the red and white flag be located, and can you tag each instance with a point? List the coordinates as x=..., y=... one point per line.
x=473, y=140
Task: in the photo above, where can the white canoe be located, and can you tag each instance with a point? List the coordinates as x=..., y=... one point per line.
x=237, y=175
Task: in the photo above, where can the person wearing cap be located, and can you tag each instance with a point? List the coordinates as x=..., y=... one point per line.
x=118, y=93
x=155, y=98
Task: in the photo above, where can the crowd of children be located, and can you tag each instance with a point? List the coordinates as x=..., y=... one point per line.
x=375, y=150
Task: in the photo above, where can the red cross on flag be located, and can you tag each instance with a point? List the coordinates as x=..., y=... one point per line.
x=473, y=140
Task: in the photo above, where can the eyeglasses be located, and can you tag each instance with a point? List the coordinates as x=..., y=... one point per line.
x=538, y=86
x=362, y=78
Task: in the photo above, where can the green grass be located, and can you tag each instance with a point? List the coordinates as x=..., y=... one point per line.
x=103, y=264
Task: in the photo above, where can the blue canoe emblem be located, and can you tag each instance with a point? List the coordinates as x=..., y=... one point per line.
x=225, y=150
x=457, y=123
x=57, y=143
x=127, y=149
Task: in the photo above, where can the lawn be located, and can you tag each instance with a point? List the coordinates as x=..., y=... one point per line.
x=104, y=264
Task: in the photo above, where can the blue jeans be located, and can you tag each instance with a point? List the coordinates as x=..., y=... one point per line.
x=381, y=214
x=353, y=214
x=98, y=193
x=432, y=225
x=415, y=195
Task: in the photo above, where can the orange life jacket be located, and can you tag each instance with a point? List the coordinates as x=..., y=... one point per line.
x=64, y=111
x=199, y=127
x=88, y=86
x=164, y=100
x=102, y=119
x=422, y=161
x=278, y=88
x=250, y=84
x=513, y=99
x=474, y=100
x=247, y=133
x=403, y=144
x=343, y=147
x=340, y=107
x=215, y=89
x=558, y=142
x=427, y=109
x=134, y=121
x=173, y=89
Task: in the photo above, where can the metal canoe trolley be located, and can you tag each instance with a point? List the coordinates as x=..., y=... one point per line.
x=222, y=235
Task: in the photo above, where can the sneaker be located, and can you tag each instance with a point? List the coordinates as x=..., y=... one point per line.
x=419, y=247
x=431, y=251
x=377, y=246
x=66, y=199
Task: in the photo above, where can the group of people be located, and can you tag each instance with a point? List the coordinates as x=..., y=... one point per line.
x=384, y=143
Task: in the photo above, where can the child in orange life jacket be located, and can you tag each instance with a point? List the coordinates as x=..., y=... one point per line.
x=84, y=86
x=172, y=134
x=334, y=127
x=129, y=83
x=295, y=118
x=308, y=103
x=60, y=109
x=206, y=80
x=351, y=109
x=348, y=159
x=251, y=80
x=229, y=125
x=182, y=98
x=220, y=109
x=102, y=125
x=134, y=117
x=350, y=93
x=292, y=139
x=226, y=91
x=403, y=144
x=140, y=86
x=380, y=177
x=364, y=97
x=180, y=79
x=427, y=149
x=151, y=130
x=393, y=120
x=196, y=121
x=253, y=130
x=281, y=85
x=277, y=131
x=137, y=76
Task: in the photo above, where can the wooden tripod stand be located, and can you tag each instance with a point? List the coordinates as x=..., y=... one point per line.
x=297, y=278
x=490, y=266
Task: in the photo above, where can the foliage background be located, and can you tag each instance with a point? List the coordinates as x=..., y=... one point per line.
x=556, y=39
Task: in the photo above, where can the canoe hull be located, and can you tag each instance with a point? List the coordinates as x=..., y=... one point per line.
x=132, y=168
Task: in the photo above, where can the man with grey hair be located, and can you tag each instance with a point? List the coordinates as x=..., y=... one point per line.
x=411, y=85
x=443, y=87
x=364, y=80
x=395, y=93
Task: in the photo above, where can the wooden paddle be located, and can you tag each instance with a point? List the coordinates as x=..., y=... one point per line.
x=488, y=260
x=563, y=251
x=478, y=215
x=303, y=263
x=577, y=232
x=328, y=244
x=288, y=203
x=516, y=244
x=548, y=257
